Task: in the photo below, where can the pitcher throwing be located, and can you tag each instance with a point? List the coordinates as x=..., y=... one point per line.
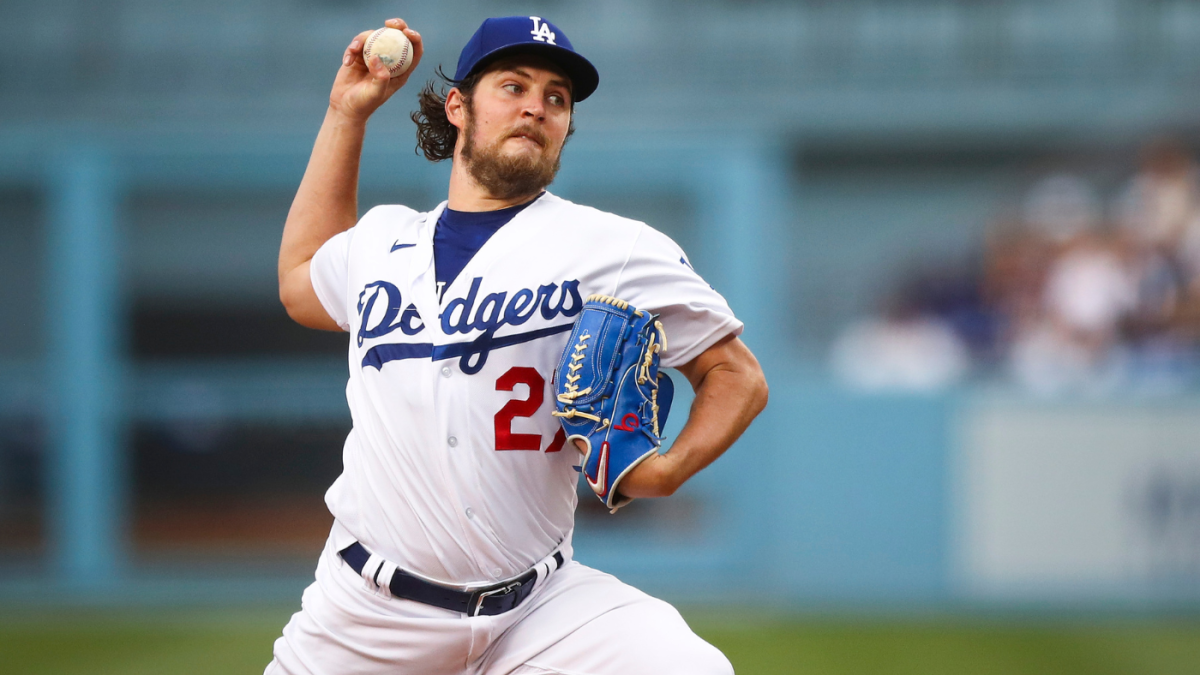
x=451, y=547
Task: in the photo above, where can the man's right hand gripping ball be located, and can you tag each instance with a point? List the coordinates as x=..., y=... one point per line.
x=609, y=393
x=360, y=87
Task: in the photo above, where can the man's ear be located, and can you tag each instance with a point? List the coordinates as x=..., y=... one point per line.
x=456, y=108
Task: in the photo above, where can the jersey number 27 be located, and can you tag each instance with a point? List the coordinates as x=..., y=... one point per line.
x=505, y=438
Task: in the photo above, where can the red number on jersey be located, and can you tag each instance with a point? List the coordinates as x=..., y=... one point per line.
x=557, y=443
x=505, y=438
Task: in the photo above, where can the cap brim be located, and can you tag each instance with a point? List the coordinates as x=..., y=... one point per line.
x=584, y=77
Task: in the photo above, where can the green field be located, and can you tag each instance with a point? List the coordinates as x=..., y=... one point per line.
x=239, y=641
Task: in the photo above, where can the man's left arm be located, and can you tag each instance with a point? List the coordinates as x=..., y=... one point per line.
x=731, y=391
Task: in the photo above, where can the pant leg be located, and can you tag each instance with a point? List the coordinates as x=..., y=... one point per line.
x=586, y=622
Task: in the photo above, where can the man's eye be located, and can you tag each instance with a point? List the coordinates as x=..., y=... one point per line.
x=555, y=99
x=514, y=88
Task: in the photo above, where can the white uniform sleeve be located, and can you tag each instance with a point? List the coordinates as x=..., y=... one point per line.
x=329, y=271
x=658, y=278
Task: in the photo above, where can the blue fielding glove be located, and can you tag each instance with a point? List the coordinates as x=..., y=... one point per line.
x=610, y=394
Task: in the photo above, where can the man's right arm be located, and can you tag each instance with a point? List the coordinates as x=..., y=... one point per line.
x=327, y=201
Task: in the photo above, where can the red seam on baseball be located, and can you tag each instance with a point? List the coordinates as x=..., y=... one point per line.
x=404, y=55
x=367, y=47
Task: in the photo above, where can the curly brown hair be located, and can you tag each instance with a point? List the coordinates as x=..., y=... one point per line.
x=436, y=136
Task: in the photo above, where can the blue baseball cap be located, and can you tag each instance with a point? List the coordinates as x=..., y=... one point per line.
x=506, y=35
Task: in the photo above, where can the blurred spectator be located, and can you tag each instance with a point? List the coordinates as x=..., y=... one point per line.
x=906, y=350
x=1014, y=274
x=1068, y=303
x=1047, y=362
x=1160, y=203
x=1072, y=346
x=1088, y=291
x=1061, y=207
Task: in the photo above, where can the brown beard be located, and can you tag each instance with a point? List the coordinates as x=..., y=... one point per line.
x=508, y=176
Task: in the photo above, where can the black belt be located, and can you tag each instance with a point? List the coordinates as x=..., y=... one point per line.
x=486, y=601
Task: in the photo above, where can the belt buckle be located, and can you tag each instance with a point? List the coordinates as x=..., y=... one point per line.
x=495, y=591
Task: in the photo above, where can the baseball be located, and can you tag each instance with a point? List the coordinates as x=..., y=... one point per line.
x=393, y=49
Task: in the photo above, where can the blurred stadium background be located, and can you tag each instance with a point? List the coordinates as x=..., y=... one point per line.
x=964, y=236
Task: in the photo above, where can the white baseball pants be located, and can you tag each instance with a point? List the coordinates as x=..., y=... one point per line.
x=580, y=621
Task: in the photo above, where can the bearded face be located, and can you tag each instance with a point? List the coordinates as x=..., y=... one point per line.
x=504, y=168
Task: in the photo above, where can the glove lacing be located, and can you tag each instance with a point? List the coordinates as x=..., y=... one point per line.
x=573, y=391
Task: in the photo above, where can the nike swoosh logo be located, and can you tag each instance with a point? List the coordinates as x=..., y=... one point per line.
x=600, y=485
x=398, y=246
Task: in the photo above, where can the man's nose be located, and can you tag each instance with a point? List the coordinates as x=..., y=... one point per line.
x=534, y=107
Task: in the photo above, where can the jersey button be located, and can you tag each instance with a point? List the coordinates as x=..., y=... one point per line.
x=470, y=513
x=452, y=442
x=446, y=371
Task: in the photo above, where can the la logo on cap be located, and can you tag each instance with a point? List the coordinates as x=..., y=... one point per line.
x=541, y=32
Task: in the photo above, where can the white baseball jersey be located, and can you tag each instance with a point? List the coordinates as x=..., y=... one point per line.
x=455, y=468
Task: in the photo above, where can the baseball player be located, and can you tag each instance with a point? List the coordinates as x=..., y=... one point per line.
x=451, y=546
